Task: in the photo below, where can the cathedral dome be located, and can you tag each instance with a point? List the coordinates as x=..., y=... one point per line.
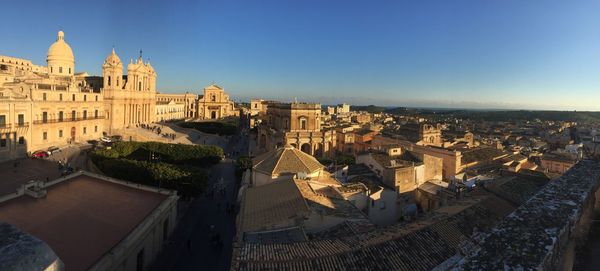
x=113, y=59
x=60, y=50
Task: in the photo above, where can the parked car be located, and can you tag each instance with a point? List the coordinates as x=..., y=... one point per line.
x=106, y=139
x=116, y=138
x=40, y=154
x=53, y=150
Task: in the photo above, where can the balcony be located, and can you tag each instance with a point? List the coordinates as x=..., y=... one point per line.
x=8, y=126
x=66, y=120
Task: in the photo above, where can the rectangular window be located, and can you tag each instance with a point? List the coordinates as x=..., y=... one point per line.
x=3, y=142
x=95, y=129
x=21, y=140
x=60, y=97
x=44, y=117
x=73, y=97
x=21, y=119
x=44, y=96
x=84, y=130
x=2, y=120
x=73, y=115
x=84, y=114
x=60, y=134
x=60, y=116
x=45, y=136
x=59, y=69
x=85, y=98
x=96, y=98
x=96, y=113
x=69, y=70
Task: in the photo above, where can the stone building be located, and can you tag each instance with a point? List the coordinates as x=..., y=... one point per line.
x=298, y=125
x=215, y=104
x=169, y=110
x=42, y=106
x=258, y=107
x=130, y=99
x=189, y=102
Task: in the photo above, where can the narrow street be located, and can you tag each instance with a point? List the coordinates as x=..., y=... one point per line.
x=190, y=246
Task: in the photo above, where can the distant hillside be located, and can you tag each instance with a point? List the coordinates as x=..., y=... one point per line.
x=514, y=115
x=379, y=109
x=367, y=108
x=491, y=115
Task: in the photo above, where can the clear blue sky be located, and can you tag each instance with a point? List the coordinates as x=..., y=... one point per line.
x=479, y=53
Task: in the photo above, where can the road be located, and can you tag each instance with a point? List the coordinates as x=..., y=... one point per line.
x=190, y=247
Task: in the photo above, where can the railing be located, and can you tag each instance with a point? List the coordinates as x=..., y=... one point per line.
x=17, y=125
x=65, y=120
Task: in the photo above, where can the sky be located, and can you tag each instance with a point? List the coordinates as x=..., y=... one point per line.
x=510, y=54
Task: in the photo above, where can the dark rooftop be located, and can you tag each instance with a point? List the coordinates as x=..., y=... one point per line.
x=80, y=211
x=525, y=238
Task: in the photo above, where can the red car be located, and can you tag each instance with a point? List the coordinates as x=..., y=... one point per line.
x=40, y=154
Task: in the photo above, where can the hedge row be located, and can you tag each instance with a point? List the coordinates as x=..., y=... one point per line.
x=188, y=181
x=172, y=166
x=168, y=153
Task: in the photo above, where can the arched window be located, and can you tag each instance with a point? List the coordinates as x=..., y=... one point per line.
x=109, y=80
x=213, y=98
x=140, y=86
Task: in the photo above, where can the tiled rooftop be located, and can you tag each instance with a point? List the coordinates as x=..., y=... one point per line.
x=525, y=238
x=272, y=206
x=420, y=245
x=286, y=160
x=481, y=154
x=327, y=204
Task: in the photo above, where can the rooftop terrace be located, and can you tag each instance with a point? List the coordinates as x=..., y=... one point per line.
x=78, y=211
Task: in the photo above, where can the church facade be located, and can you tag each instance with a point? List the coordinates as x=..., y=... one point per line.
x=297, y=125
x=215, y=104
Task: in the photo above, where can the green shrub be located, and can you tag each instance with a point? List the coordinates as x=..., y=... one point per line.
x=180, y=167
x=169, y=153
x=187, y=180
x=242, y=164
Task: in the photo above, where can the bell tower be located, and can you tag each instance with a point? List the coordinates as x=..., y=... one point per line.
x=112, y=71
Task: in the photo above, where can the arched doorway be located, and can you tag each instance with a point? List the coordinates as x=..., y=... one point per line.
x=319, y=150
x=73, y=132
x=305, y=148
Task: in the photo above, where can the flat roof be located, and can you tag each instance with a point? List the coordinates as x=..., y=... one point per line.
x=81, y=218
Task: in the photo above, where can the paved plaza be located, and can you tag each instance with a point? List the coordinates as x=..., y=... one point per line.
x=16, y=173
